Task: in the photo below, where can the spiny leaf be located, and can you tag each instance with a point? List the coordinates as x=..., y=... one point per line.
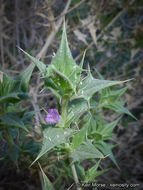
x=99, y=74
x=62, y=82
x=47, y=184
x=13, y=120
x=107, y=150
x=81, y=67
x=91, y=173
x=108, y=95
x=90, y=86
x=41, y=66
x=49, y=84
x=108, y=128
x=14, y=152
x=25, y=77
x=63, y=61
x=13, y=97
x=86, y=151
x=75, y=109
x=80, y=136
x=9, y=85
x=117, y=93
x=13, y=89
x=80, y=171
x=118, y=107
x=52, y=137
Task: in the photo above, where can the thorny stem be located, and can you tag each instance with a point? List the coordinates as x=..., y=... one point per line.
x=64, y=114
x=75, y=174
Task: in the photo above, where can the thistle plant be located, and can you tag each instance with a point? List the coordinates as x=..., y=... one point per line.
x=13, y=91
x=78, y=130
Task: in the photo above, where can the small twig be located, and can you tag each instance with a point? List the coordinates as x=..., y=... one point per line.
x=135, y=104
x=71, y=9
x=70, y=186
x=2, y=52
x=104, y=63
x=11, y=57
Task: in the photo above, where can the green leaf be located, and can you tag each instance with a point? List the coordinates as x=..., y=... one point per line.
x=108, y=128
x=90, y=86
x=41, y=66
x=74, y=2
x=12, y=119
x=79, y=138
x=31, y=147
x=47, y=184
x=12, y=97
x=13, y=153
x=93, y=86
x=82, y=61
x=25, y=77
x=91, y=173
x=62, y=82
x=98, y=136
x=63, y=60
x=108, y=95
x=79, y=78
x=107, y=150
x=118, y=107
x=117, y=93
x=80, y=171
x=92, y=126
x=27, y=117
x=100, y=172
x=53, y=137
x=13, y=89
x=86, y=151
x=49, y=84
x=76, y=108
x=61, y=76
x=99, y=74
x=9, y=89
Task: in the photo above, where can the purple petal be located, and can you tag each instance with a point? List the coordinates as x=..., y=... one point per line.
x=53, y=116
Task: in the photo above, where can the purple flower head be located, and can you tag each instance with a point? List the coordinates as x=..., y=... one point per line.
x=53, y=116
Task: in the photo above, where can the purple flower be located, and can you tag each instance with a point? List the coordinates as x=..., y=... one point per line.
x=53, y=116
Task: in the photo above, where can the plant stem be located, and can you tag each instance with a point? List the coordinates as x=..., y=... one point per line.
x=64, y=114
x=64, y=110
x=74, y=174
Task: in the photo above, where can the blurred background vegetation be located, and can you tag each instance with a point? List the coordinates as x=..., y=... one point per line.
x=112, y=33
